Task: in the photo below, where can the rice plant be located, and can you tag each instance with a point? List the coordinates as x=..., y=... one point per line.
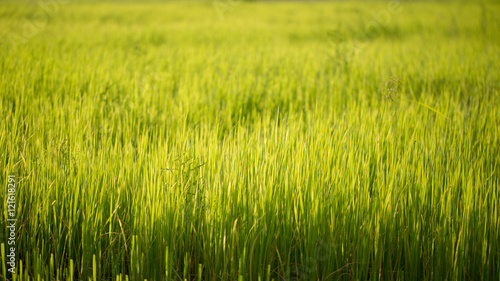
x=159, y=141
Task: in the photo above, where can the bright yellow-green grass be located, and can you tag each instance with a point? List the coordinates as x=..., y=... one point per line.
x=237, y=141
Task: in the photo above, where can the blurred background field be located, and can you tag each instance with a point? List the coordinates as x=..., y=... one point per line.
x=232, y=140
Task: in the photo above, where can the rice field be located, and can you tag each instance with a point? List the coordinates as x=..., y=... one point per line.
x=231, y=140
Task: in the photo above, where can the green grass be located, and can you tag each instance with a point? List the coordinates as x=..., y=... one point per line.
x=161, y=141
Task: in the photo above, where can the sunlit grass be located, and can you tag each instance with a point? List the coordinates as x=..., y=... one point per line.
x=158, y=141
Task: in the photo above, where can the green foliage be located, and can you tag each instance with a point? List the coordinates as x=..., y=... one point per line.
x=162, y=141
